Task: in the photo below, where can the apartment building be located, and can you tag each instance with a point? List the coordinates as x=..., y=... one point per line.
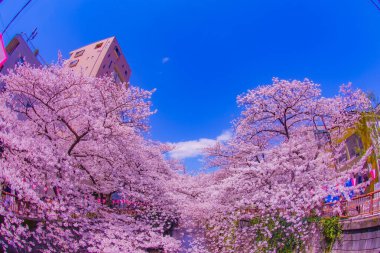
x=101, y=58
x=18, y=51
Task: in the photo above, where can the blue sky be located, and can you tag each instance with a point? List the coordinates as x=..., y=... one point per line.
x=201, y=54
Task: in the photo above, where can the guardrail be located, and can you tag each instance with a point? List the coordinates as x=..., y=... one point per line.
x=366, y=204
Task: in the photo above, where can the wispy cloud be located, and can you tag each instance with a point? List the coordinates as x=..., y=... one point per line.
x=165, y=60
x=225, y=136
x=194, y=148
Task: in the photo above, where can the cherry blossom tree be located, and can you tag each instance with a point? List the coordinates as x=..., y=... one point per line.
x=273, y=114
x=70, y=144
x=83, y=176
x=278, y=167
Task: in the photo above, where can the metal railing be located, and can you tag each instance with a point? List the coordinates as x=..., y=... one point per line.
x=366, y=204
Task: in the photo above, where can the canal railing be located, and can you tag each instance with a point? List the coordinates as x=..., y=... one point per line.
x=366, y=204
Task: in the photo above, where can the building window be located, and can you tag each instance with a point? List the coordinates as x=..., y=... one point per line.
x=73, y=63
x=342, y=155
x=117, y=52
x=104, y=65
x=99, y=45
x=109, y=66
x=126, y=73
x=79, y=53
x=109, y=55
x=354, y=146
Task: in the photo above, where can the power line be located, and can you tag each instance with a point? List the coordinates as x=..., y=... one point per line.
x=18, y=13
x=375, y=4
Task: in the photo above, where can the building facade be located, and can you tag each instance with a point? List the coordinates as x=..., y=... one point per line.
x=101, y=58
x=18, y=52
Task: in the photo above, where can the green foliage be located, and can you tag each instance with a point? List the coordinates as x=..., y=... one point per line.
x=313, y=219
x=331, y=230
x=330, y=227
x=255, y=221
x=282, y=240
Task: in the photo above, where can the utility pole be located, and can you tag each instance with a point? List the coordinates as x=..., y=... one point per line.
x=18, y=13
x=29, y=39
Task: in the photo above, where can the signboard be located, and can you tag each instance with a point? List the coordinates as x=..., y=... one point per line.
x=3, y=53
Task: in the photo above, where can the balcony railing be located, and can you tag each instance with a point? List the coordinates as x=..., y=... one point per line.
x=366, y=204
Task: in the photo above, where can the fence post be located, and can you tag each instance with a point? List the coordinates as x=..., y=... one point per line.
x=371, y=206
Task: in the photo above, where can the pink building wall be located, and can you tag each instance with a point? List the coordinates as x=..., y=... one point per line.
x=103, y=57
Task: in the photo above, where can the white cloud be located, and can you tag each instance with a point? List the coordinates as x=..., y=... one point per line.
x=194, y=148
x=165, y=60
x=225, y=136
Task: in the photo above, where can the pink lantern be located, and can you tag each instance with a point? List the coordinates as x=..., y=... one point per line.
x=373, y=174
x=3, y=53
x=353, y=181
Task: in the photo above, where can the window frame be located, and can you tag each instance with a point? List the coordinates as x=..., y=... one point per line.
x=117, y=52
x=73, y=63
x=79, y=53
x=98, y=45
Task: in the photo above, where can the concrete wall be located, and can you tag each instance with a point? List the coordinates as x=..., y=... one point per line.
x=362, y=240
x=360, y=235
